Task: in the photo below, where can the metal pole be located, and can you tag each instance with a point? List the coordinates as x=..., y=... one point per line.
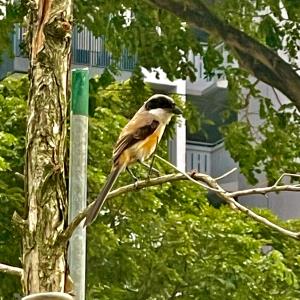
x=78, y=176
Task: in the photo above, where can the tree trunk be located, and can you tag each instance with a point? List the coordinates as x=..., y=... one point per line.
x=49, y=41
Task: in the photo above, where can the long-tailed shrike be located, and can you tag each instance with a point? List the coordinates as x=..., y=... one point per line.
x=137, y=141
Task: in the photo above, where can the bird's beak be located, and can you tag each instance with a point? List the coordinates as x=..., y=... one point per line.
x=177, y=111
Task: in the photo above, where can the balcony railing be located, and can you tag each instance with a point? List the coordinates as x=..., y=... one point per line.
x=198, y=158
x=90, y=50
x=211, y=159
x=87, y=50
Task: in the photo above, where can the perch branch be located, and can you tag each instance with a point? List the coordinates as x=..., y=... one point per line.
x=205, y=181
x=187, y=175
x=11, y=270
x=124, y=189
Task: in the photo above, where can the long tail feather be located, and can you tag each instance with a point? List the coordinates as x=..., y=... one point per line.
x=94, y=210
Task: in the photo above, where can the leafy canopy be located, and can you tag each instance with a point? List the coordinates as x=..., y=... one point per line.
x=159, y=39
x=166, y=241
x=159, y=243
x=13, y=94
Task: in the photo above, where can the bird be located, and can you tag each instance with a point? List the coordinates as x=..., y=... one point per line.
x=136, y=143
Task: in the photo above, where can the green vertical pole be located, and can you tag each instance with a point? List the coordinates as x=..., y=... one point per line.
x=78, y=176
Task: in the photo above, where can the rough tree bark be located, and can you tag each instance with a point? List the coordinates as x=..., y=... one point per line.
x=49, y=41
x=253, y=56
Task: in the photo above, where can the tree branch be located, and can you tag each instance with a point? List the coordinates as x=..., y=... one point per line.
x=11, y=270
x=200, y=179
x=286, y=175
x=266, y=190
x=253, y=56
x=124, y=189
x=228, y=198
x=226, y=174
x=20, y=176
x=19, y=221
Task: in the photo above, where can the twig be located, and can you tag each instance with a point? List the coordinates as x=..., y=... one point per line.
x=260, y=219
x=210, y=183
x=285, y=175
x=18, y=221
x=249, y=94
x=124, y=189
x=234, y=204
x=266, y=190
x=186, y=175
x=226, y=174
x=276, y=96
x=20, y=176
x=11, y=270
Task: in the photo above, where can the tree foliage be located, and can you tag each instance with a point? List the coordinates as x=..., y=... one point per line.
x=274, y=23
x=164, y=242
x=189, y=252
x=167, y=242
x=272, y=142
x=272, y=146
x=13, y=94
x=160, y=39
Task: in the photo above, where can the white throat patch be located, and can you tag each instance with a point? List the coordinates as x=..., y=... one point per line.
x=161, y=114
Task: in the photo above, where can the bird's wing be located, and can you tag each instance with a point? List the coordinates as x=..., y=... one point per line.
x=135, y=131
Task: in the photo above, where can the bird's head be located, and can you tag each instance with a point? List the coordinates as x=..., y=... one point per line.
x=162, y=106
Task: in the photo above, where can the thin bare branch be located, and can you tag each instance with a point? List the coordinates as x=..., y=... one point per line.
x=285, y=175
x=20, y=176
x=205, y=181
x=236, y=205
x=211, y=184
x=266, y=190
x=276, y=96
x=124, y=189
x=226, y=174
x=11, y=270
x=260, y=219
x=187, y=175
x=228, y=198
